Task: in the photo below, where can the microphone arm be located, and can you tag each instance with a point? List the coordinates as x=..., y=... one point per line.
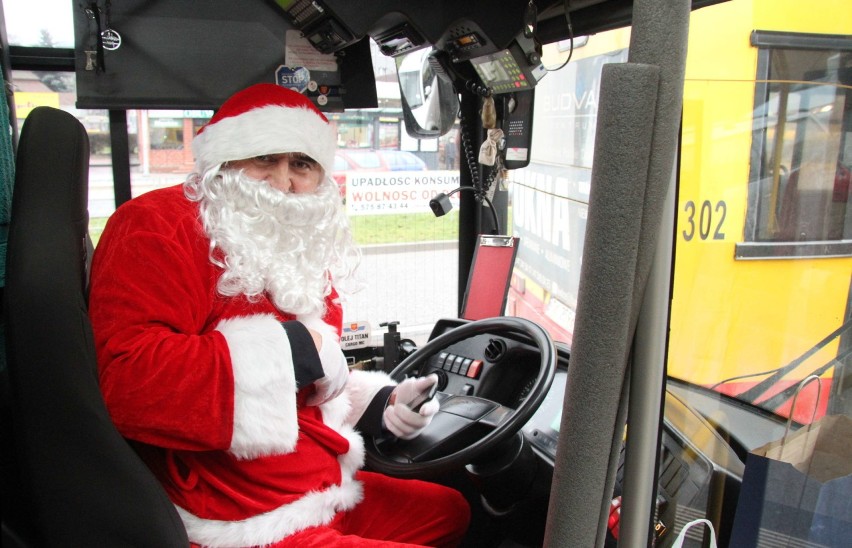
x=441, y=204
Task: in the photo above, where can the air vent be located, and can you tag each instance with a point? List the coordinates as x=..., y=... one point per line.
x=495, y=350
x=461, y=30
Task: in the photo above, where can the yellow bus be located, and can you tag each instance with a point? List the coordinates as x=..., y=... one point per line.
x=764, y=257
x=763, y=260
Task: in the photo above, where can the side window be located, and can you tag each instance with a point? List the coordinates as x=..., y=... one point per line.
x=800, y=200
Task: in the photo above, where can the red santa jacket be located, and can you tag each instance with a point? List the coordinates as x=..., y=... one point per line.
x=206, y=384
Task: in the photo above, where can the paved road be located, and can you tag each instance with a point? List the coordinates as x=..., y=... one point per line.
x=414, y=285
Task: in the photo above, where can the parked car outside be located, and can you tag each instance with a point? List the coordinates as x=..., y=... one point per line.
x=401, y=160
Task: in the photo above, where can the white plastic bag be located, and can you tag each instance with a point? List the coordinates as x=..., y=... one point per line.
x=678, y=542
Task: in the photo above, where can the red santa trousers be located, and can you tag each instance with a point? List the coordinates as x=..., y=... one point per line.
x=394, y=513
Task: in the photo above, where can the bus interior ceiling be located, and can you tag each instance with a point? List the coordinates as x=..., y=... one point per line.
x=180, y=67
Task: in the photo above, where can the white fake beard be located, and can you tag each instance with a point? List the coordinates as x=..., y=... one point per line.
x=291, y=247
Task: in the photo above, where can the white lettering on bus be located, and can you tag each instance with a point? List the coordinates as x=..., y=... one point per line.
x=542, y=213
x=570, y=102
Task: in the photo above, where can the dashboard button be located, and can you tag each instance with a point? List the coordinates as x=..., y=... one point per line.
x=474, y=370
x=465, y=366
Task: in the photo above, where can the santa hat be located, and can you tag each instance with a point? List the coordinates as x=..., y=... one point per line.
x=265, y=119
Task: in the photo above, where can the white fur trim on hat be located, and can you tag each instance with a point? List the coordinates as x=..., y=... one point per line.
x=265, y=420
x=271, y=129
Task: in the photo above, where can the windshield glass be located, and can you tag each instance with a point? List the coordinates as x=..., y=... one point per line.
x=46, y=23
x=762, y=288
x=406, y=250
x=761, y=284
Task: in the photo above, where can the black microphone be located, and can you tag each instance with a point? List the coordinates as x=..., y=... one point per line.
x=441, y=204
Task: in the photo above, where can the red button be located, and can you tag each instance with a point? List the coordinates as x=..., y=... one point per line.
x=475, y=369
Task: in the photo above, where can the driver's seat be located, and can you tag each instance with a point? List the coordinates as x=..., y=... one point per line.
x=78, y=481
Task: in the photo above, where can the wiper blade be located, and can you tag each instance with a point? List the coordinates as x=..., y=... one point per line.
x=755, y=392
x=775, y=401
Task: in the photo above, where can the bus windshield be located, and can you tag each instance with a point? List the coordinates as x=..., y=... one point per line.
x=761, y=287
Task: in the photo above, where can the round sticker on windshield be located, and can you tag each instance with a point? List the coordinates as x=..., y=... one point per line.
x=295, y=78
x=111, y=39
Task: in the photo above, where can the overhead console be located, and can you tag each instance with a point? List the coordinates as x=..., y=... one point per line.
x=321, y=27
x=141, y=54
x=499, y=49
x=175, y=55
x=441, y=49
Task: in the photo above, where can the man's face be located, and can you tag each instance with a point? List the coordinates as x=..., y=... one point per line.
x=272, y=238
x=288, y=172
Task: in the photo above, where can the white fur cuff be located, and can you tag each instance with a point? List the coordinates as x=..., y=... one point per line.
x=362, y=388
x=265, y=421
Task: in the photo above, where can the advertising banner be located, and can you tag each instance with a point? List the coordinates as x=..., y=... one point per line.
x=386, y=192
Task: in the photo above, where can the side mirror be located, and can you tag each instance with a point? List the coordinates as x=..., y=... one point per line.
x=429, y=103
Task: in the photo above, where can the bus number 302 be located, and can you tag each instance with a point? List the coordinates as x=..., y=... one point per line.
x=707, y=219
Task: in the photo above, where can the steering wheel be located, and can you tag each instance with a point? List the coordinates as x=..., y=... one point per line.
x=466, y=427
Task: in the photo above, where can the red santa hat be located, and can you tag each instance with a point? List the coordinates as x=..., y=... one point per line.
x=265, y=119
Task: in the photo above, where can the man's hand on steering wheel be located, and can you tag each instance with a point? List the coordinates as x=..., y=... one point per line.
x=402, y=421
x=466, y=426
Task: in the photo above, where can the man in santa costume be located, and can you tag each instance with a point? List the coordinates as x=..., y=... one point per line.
x=217, y=321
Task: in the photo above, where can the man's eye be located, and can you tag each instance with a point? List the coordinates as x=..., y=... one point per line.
x=302, y=163
x=265, y=158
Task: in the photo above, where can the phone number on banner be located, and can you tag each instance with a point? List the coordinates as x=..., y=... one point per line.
x=397, y=192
